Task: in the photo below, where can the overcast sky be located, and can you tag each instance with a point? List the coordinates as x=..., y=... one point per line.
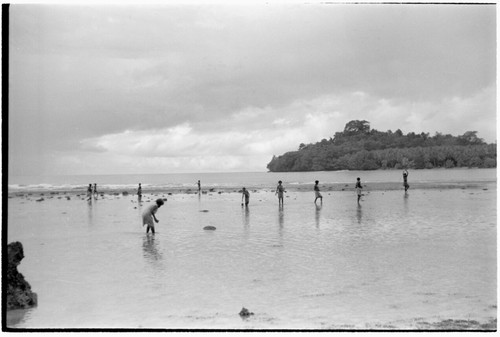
x=191, y=88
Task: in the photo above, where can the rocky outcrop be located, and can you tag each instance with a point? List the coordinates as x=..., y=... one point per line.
x=19, y=294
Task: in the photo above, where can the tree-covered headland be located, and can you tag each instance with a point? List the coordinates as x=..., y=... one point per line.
x=359, y=147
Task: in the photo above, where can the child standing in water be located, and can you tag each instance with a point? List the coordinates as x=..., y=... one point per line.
x=358, y=188
x=245, y=194
x=149, y=215
x=316, y=191
x=405, y=180
x=89, y=191
x=279, y=191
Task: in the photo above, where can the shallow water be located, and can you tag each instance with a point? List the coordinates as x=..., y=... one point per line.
x=393, y=261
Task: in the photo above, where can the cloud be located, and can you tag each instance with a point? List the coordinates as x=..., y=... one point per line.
x=175, y=86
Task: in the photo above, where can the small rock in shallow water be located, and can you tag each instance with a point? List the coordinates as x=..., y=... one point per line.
x=245, y=313
x=209, y=228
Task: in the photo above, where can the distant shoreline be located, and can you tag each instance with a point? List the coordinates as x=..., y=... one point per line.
x=296, y=188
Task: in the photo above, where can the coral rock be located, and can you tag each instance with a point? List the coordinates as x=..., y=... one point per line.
x=19, y=294
x=245, y=313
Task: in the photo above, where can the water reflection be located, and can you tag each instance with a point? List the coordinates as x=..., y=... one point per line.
x=281, y=218
x=150, y=245
x=90, y=212
x=359, y=214
x=246, y=217
x=405, y=205
x=318, y=214
x=18, y=316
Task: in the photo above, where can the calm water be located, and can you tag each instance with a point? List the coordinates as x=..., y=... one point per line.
x=394, y=261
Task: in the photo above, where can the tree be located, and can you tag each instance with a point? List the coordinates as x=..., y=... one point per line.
x=470, y=138
x=359, y=148
x=356, y=127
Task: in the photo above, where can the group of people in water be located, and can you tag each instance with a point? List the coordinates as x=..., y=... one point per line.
x=148, y=216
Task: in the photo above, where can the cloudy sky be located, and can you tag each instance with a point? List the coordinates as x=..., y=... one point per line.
x=210, y=88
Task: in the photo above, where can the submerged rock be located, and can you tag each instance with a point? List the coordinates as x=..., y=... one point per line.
x=209, y=228
x=19, y=294
x=245, y=313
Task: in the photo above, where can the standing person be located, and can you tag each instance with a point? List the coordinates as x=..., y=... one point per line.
x=358, y=188
x=139, y=191
x=279, y=191
x=245, y=194
x=199, y=186
x=316, y=191
x=149, y=215
x=405, y=180
x=89, y=191
x=95, y=189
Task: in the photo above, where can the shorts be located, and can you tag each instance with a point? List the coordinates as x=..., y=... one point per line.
x=358, y=191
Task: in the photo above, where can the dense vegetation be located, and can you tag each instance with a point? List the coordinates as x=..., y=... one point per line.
x=360, y=148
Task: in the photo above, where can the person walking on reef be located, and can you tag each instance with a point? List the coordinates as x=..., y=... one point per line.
x=405, y=180
x=139, y=191
x=358, y=188
x=279, y=191
x=95, y=190
x=199, y=187
x=245, y=195
x=149, y=215
x=316, y=192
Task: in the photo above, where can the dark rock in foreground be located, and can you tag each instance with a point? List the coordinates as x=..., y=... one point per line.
x=19, y=294
x=209, y=228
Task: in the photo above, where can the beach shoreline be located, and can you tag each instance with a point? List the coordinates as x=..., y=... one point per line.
x=336, y=187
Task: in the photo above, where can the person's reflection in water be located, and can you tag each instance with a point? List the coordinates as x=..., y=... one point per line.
x=150, y=248
x=318, y=214
x=359, y=213
x=246, y=217
x=405, y=198
x=90, y=212
x=281, y=218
